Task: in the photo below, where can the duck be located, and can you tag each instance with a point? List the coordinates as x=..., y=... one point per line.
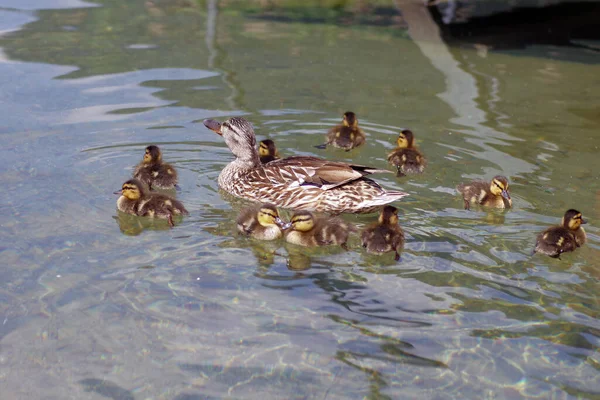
x=562, y=238
x=493, y=194
x=267, y=151
x=305, y=229
x=154, y=172
x=406, y=157
x=297, y=182
x=262, y=222
x=385, y=235
x=136, y=199
x=347, y=135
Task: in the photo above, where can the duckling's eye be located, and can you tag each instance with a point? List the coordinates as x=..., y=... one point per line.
x=270, y=214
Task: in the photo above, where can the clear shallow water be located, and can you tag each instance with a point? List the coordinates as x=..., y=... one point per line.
x=97, y=304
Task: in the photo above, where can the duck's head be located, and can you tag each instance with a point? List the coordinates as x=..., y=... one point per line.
x=388, y=216
x=302, y=221
x=239, y=137
x=573, y=220
x=267, y=148
x=405, y=139
x=152, y=155
x=350, y=119
x=499, y=187
x=268, y=216
x=133, y=189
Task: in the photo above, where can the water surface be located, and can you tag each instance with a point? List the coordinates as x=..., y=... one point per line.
x=96, y=305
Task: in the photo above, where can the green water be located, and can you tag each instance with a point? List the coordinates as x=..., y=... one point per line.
x=97, y=305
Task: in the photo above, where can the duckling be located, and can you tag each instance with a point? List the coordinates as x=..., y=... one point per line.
x=267, y=151
x=384, y=235
x=562, y=238
x=154, y=172
x=347, y=135
x=307, y=230
x=494, y=194
x=406, y=157
x=261, y=222
x=137, y=200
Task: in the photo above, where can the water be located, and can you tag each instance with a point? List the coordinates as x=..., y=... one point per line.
x=99, y=305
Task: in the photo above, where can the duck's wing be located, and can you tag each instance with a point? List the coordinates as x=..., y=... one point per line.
x=307, y=170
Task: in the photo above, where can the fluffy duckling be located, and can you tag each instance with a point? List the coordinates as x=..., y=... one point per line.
x=307, y=230
x=347, y=135
x=154, y=172
x=384, y=235
x=261, y=222
x=137, y=200
x=267, y=151
x=406, y=157
x=562, y=238
x=494, y=194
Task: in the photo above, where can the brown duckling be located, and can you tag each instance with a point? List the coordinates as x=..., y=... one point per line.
x=494, y=194
x=347, y=135
x=267, y=151
x=384, y=235
x=261, y=222
x=406, y=157
x=562, y=238
x=307, y=230
x=136, y=199
x=154, y=172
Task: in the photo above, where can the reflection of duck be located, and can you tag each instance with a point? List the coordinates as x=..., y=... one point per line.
x=267, y=151
x=154, y=172
x=406, y=157
x=347, y=135
x=384, y=235
x=260, y=222
x=494, y=194
x=308, y=230
x=564, y=237
x=299, y=182
x=136, y=200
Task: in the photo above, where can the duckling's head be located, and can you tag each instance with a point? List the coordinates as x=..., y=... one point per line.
x=405, y=139
x=239, y=137
x=388, y=216
x=152, y=155
x=350, y=119
x=573, y=220
x=133, y=189
x=267, y=148
x=269, y=216
x=302, y=221
x=499, y=187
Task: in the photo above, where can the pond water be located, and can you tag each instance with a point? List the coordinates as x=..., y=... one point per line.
x=97, y=305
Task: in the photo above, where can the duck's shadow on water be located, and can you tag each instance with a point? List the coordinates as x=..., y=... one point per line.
x=132, y=225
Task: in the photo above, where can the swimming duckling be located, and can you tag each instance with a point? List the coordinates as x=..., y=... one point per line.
x=494, y=194
x=384, y=235
x=261, y=222
x=137, y=200
x=154, y=172
x=406, y=157
x=347, y=135
x=307, y=230
x=562, y=238
x=267, y=151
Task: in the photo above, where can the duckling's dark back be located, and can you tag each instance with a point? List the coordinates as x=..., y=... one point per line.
x=555, y=241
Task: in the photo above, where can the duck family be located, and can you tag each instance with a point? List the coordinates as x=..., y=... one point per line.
x=309, y=185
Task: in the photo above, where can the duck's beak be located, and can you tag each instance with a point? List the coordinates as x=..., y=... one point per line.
x=583, y=221
x=213, y=125
x=505, y=195
x=120, y=191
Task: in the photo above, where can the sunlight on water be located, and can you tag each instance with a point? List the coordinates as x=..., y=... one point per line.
x=102, y=304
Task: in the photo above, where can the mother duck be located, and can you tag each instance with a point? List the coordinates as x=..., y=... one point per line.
x=298, y=182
